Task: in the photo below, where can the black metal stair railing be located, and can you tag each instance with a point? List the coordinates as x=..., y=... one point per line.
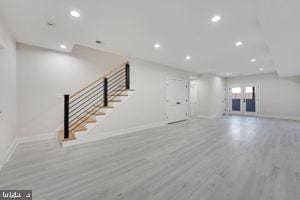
x=80, y=106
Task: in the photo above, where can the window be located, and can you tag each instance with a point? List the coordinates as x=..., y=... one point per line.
x=236, y=90
x=249, y=89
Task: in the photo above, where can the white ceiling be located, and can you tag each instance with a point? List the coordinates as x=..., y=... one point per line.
x=182, y=28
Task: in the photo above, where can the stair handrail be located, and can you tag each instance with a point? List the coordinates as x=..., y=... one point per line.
x=99, y=79
x=113, y=82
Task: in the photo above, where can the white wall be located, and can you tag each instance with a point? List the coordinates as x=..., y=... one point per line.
x=9, y=91
x=45, y=75
x=193, y=109
x=147, y=106
x=279, y=97
x=211, y=95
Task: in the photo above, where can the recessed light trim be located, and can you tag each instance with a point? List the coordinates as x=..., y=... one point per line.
x=63, y=46
x=253, y=60
x=75, y=13
x=216, y=18
x=239, y=43
x=50, y=23
x=188, y=57
x=156, y=45
x=261, y=69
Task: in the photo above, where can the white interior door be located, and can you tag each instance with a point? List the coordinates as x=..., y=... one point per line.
x=2, y=68
x=193, y=99
x=177, y=100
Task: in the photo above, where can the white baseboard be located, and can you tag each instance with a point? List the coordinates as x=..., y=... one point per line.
x=209, y=117
x=100, y=136
x=280, y=117
x=272, y=116
x=11, y=149
x=37, y=137
x=26, y=139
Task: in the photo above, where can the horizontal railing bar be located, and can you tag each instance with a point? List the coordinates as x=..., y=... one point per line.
x=116, y=87
x=74, y=114
x=83, y=113
x=96, y=104
x=116, y=75
x=98, y=94
x=117, y=72
x=115, y=83
x=75, y=94
x=92, y=89
x=91, y=100
x=115, y=95
x=89, y=114
x=110, y=81
x=99, y=89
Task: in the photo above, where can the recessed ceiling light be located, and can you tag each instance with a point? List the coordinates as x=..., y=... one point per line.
x=261, y=69
x=227, y=73
x=238, y=43
x=216, y=18
x=253, y=60
x=157, y=46
x=188, y=57
x=75, y=13
x=63, y=46
x=50, y=23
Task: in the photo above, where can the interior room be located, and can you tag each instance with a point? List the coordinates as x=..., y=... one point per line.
x=149, y=100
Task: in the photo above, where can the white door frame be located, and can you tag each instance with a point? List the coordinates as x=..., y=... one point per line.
x=187, y=96
x=243, y=104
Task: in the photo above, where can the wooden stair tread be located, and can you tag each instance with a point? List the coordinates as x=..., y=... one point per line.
x=106, y=107
x=115, y=100
x=101, y=106
x=124, y=90
x=115, y=95
x=99, y=113
x=61, y=136
x=91, y=120
x=80, y=127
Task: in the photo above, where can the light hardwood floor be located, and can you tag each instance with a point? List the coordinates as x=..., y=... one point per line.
x=230, y=158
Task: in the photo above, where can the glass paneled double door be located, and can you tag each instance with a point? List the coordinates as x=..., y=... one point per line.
x=243, y=100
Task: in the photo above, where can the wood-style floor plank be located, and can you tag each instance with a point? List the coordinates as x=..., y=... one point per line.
x=229, y=158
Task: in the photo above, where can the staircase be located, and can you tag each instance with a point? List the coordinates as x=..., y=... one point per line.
x=85, y=109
